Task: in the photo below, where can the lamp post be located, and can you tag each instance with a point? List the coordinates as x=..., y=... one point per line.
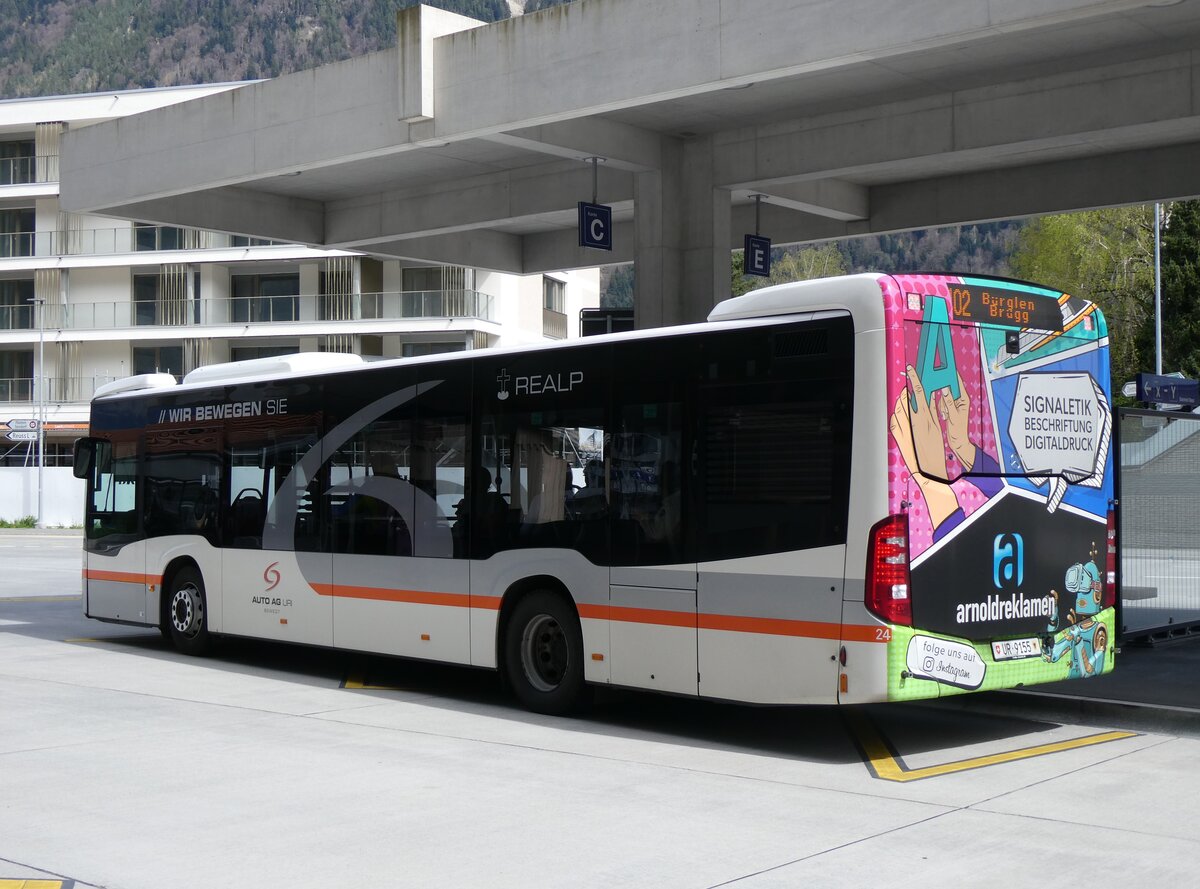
x=39, y=303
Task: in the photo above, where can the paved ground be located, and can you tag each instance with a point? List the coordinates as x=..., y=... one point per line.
x=123, y=764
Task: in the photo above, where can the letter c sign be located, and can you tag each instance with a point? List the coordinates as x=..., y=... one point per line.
x=595, y=226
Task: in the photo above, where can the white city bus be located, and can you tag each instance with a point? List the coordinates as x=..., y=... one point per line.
x=856, y=489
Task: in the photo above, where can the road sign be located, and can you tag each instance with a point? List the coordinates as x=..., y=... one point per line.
x=595, y=226
x=1129, y=389
x=22, y=435
x=1168, y=389
x=757, y=256
x=22, y=424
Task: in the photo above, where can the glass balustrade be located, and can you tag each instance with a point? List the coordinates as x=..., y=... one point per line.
x=130, y=239
x=255, y=310
x=58, y=389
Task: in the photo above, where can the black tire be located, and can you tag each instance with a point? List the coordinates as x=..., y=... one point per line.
x=185, y=617
x=543, y=655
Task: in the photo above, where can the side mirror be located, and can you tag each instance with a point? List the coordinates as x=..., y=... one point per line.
x=85, y=457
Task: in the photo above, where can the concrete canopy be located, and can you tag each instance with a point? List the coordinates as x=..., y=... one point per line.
x=466, y=143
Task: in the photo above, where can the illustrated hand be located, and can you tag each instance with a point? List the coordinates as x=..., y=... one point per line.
x=939, y=496
x=928, y=441
x=956, y=414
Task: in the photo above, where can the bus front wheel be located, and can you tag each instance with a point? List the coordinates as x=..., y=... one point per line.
x=187, y=613
x=543, y=654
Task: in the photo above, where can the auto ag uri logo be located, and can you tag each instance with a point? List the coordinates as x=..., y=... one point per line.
x=271, y=576
x=1008, y=561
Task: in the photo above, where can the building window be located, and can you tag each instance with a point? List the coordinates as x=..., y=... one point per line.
x=16, y=232
x=158, y=359
x=554, y=307
x=145, y=300
x=16, y=375
x=157, y=237
x=16, y=306
x=265, y=297
x=249, y=353
x=437, y=278
x=413, y=350
x=554, y=295
x=17, y=162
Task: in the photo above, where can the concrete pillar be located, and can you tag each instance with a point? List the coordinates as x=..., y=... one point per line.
x=682, y=234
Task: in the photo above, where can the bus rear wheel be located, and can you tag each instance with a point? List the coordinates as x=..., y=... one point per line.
x=187, y=613
x=543, y=655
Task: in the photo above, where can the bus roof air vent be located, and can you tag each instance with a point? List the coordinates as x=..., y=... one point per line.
x=136, y=383
x=275, y=366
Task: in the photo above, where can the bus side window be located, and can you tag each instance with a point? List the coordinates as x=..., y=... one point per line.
x=258, y=467
x=183, y=482
x=112, y=489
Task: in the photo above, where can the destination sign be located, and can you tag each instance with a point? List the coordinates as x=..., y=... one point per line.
x=1008, y=308
x=22, y=435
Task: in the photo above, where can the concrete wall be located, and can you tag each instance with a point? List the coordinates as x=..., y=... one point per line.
x=62, y=495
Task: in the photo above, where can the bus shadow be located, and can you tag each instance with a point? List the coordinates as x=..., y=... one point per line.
x=821, y=734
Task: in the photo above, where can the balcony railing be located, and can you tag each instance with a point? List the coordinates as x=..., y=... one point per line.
x=554, y=324
x=58, y=389
x=100, y=241
x=28, y=169
x=256, y=310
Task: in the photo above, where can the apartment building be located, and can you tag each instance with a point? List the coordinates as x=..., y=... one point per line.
x=85, y=300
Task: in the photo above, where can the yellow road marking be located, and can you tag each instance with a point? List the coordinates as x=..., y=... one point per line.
x=34, y=884
x=354, y=682
x=888, y=765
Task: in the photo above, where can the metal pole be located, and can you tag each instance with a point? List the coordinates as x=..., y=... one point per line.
x=41, y=304
x=1157, y=292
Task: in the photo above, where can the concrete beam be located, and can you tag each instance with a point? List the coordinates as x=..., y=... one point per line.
x=1132, y=177
x=622, y=146
x=460, y=205
x=834, y=198
x=1083, y=112
x=574, y=60
x=237, y=211
x=561, y=64
x=481, y=248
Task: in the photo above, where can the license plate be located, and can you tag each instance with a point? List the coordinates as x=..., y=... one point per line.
x=1015, y=649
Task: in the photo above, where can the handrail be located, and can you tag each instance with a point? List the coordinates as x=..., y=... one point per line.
x=416, y=304
x=129, y=239
x=58, y=389
x=27, y=169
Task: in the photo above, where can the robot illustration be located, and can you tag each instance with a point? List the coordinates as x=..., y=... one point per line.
x=1086, y=638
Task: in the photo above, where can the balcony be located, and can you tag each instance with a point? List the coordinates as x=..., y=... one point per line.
x=130, y=239
x=28, y=169
x=554, y=324
x=424, y=304
x=58, y=389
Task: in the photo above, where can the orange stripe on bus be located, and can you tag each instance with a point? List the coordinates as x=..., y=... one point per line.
x=766, y=626
x=639, y=615
x=122, y=576
x=384, y=594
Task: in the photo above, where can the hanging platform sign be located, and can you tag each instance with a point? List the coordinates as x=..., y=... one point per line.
x=758, y=256
x=595, y=226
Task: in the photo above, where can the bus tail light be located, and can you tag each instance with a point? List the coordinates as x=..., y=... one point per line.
x=1110, y=557
x=887, y=592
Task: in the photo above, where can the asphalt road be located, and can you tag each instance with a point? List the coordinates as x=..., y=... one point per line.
x=125, y=765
